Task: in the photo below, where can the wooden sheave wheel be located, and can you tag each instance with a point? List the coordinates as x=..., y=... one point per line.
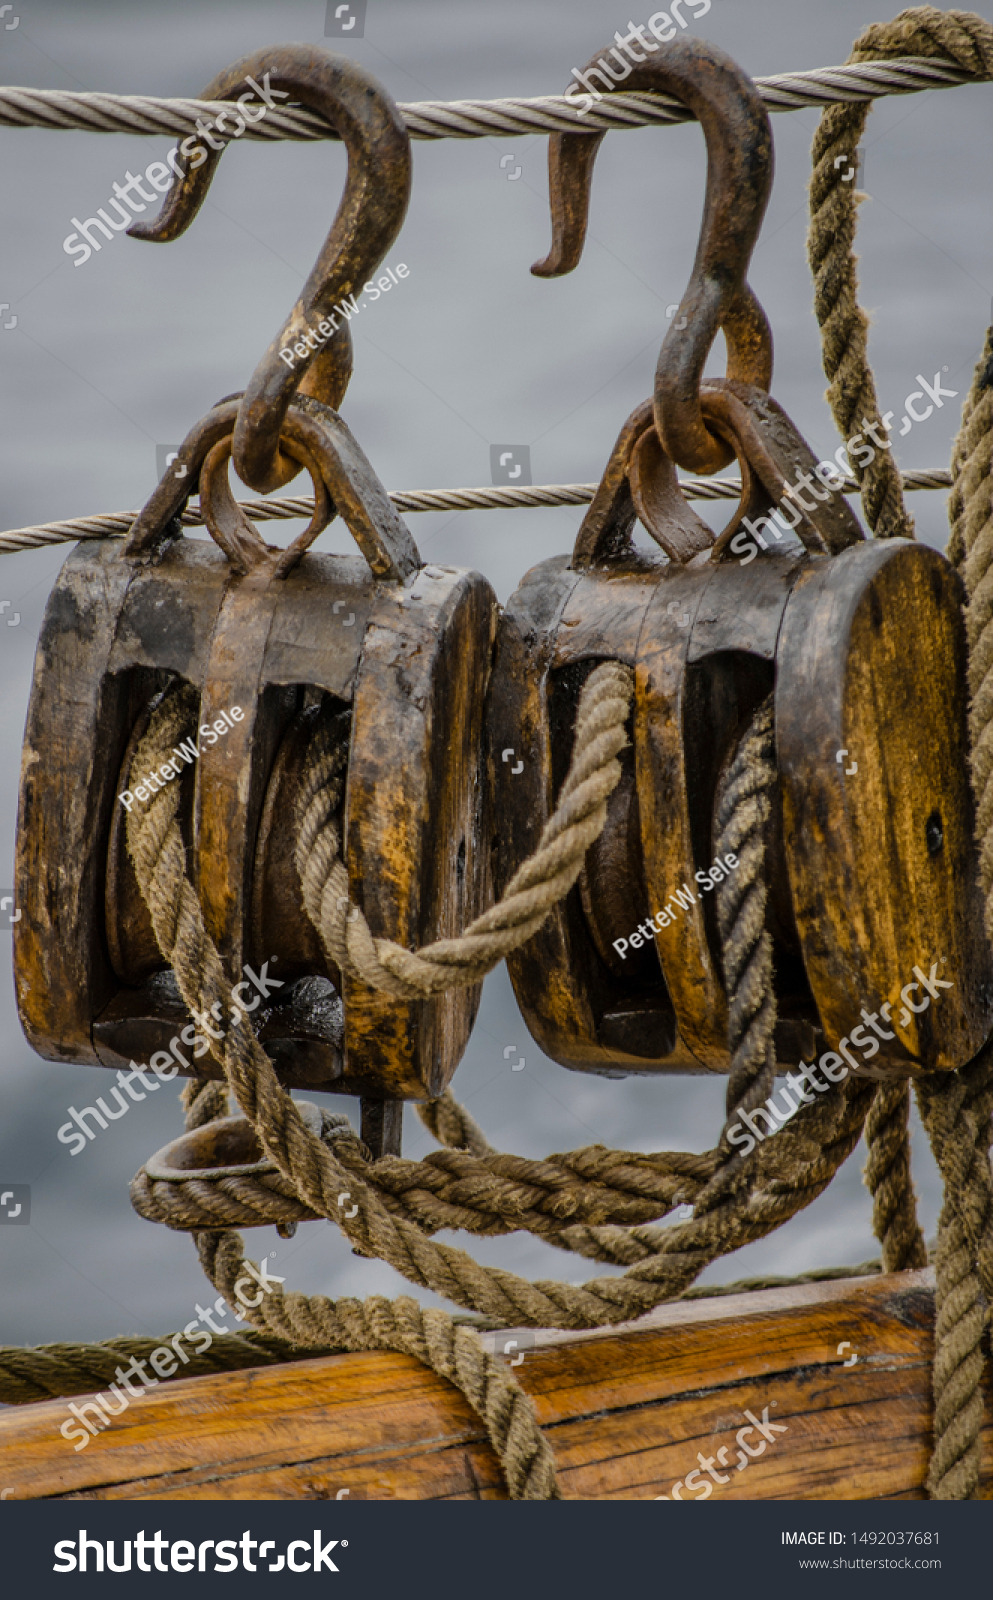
x=870, y=873
x=394, y=654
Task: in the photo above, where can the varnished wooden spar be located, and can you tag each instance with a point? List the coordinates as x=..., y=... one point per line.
x=627, y=1412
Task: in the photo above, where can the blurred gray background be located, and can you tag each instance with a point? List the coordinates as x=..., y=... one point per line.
x=112, y=358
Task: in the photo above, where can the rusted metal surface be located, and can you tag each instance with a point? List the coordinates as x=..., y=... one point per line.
x=739, y=178
x=773, y=455
x=368, y=220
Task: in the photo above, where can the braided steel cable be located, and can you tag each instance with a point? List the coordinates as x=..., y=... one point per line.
x=116, y=524
x=471, y=119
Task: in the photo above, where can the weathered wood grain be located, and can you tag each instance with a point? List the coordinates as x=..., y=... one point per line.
x=417, y=828
x=411, y=657
x=672, y=810
x=626, y=1411
x=584, y=1006
x=871, y=668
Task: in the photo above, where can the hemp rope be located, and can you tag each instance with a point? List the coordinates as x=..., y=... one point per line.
x=957, y=1117
x=537, y=885
x=962, y=1260
x=781, y=1177
x=887, y=1177
x=535, y=1195
x=117, y=524
x=453, y=1351
x=970, y=549
x=957, y=36
x=742, y=810
x=953, y=1472
x=467, y=119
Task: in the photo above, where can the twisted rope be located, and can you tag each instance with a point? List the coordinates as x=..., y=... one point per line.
x=961, y=1146
x=155, y=844
x=785, y=1175
x=957, y=1116
x=117, y=524
x=887, y=1177
x=483, y=1192
x=742, y=809
x=539, y=884
x=953, y=1472
x=469, y=119
x=49, y=1371
x=955, y=36
x=45, y=1372
x=970, y=548
x=451, y=1124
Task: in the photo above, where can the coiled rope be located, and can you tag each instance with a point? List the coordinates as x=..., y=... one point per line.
x=392, y=1221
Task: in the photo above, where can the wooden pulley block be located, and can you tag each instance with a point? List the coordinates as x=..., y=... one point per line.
x=870, y=861
x=392, y=656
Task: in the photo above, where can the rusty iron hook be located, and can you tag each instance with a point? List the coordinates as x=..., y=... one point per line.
x=369, y=217
x=739, y=178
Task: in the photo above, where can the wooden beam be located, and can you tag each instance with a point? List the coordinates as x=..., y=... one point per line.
x=626, y=1411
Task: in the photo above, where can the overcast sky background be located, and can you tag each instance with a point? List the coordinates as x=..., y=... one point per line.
x=109, y=359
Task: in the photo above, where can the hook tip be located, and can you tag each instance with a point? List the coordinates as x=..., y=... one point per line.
x=561, y=258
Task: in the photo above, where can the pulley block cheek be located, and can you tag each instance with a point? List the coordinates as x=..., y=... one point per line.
x=879, y=818
x=393, y=660
x=867, y=879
